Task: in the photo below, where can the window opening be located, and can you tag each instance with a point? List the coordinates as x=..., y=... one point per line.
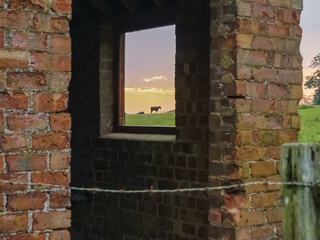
x=149, y=73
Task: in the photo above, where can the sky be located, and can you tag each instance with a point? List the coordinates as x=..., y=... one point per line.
x=150, y=62
x=150, y=70
x=310, y=44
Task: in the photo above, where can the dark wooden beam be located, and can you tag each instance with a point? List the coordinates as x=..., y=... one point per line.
x=144, y=19
x=160, y=2
x=102, y=6
x=131, y=5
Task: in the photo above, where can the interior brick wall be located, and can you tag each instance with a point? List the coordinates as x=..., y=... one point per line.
x=35, y=66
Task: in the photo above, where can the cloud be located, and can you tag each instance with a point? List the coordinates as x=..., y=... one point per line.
x=150, y=90
x=155, y=78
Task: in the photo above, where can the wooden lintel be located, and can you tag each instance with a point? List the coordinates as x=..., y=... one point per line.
x=160, y=2
x=131, y=5
x=144, y=19
x=102, y=7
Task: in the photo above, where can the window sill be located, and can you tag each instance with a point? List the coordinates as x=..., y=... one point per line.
x=140, y=137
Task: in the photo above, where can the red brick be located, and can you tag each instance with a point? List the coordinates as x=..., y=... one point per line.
x=26, y=162
x=265, y=74
x=279, y=30
x=51, y=220
x=13, y=101
x=60, y=235
x=235, y=201
x=14, y=59
x=25, y=202
x=47, y=62
x=12, y=142
x=60, y=199
x=1, y=203
x=50, y=141
x=60, y=44
x=250, y=122
x=28, y=236
x=55, y=178
x=2, y=85
x=252, y=27
x=48, y=23
x=60, y=82
x=1, y=39
x=263, y=12
x=27, y=122
x=263, y=169
x=1, y=164
x=278, y=91
x=258, y=90
x=26, y=80
x=14, y=19
x=263, y=105
x=1, y=122
x=7, y=187
x=296, y=92
x=13, y=223
x=50, y=102
x=38, y=6
x=254, y=58
x=262, y=43
x=288, y=16
x=29, y=41
x=60, y=160
x=61, y=6
x=60, y=122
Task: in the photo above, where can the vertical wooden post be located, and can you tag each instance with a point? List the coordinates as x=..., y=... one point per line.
x=300, y=163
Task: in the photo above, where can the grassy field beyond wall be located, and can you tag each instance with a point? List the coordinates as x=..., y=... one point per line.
x=310, y=124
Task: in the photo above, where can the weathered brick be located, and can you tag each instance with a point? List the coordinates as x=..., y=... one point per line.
x=50, y=102
x=60, y=160
x=12, y=142
x=55, y=178
x=13, y=101
x=278, y=91
x=61, y=44
x=262, y=232
x=60, y=199
x=29, y=41
x=27, y=236
x=59, y=235
x=27, y=122
x=274, y=215
x=59, y=82
x=296, y=92
x=50, y=141
x=26, y=162
x=51, y=220
x=49, y=23
x=25, y=202
x=1, y=203
x=1, y=121
x=14, y=20
x=25, y=80
x=265, y=74
x=249, y=218
x=14, y=59
x=263, y=169
x=7, y=187
x=1, y=39
x=37, y=6
x=60, y=122
x=13, y=223
x=264, y=200
x=48, y=62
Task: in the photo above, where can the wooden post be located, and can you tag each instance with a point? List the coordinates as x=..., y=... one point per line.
x=300, y=163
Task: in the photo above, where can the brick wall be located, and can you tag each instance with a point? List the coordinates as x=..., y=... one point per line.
x=35, y=65
x=256, y=86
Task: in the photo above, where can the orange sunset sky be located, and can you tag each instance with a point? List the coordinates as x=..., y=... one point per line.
x=150, y=62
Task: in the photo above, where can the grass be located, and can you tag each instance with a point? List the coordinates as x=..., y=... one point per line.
x=310, y=124
x=155, y=119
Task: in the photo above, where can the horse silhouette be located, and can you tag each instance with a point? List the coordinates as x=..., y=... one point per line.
x=156, y=109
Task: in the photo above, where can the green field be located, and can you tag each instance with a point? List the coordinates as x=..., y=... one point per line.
x=155, y=119
x=310, y=124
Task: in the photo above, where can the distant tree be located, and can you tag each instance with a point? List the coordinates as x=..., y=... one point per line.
x=313, y=81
